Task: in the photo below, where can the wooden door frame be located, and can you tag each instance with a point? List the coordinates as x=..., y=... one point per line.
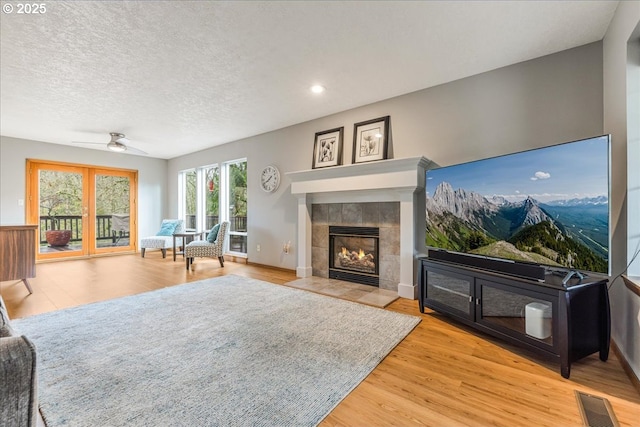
x=133, y=206
x=88, y=202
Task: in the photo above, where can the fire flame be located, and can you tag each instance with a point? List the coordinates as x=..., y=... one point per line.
x=345, y=252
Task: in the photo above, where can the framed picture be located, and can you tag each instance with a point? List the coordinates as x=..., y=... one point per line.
x=370, y=140
x=327, y=149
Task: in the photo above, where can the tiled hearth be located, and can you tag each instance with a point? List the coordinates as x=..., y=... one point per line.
x=363, y=294
x=384, y=215
x=390, y=192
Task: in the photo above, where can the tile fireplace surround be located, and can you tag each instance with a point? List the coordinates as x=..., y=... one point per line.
x=389, y=192
x=383, y=215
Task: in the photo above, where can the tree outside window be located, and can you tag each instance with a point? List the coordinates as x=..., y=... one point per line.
x=212, y=196
x=190, y=198
x=238, y=196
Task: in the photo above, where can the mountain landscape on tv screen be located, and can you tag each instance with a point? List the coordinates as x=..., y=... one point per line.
x=572, y=233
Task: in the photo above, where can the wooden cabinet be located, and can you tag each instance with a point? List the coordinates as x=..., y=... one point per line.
x=566, y=323
x=18, y=253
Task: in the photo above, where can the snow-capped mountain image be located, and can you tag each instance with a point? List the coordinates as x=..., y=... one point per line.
x=587, y=201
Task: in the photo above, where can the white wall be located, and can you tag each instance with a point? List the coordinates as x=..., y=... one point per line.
x=545, y=101
x=625, y=305
x=152, y=177
x=633, y=152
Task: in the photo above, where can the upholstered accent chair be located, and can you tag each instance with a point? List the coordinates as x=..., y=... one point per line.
x=18, y=379
x=163, y=238
x=212, y=246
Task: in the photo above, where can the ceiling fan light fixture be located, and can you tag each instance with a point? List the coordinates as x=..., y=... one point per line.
x=117, y=147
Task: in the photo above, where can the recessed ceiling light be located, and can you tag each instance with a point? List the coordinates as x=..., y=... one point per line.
x=317, y=89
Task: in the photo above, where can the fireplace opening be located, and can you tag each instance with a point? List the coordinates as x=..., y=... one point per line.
x=353, y=254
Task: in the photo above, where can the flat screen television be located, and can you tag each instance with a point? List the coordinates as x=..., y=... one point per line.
x=547, y=206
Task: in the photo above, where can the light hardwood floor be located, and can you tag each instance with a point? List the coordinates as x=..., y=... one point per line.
x=442, y=374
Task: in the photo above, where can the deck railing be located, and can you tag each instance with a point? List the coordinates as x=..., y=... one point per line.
x=104, y=226
x=104, y=229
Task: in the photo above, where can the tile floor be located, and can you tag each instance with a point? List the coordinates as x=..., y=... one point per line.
x=364, y=294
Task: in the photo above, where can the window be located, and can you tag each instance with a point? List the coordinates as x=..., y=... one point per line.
x=236, y=206
x=188, y=184
x=211, y=196
x=214, y=193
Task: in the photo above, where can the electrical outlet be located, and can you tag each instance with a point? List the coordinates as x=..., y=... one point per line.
x=258, y=248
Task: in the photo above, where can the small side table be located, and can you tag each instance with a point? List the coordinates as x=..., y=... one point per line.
x=187, y=236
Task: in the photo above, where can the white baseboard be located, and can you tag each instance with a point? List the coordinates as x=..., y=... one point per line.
x=407, y=291
x=304, y=271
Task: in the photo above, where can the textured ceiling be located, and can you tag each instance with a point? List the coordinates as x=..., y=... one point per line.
x=177, y=77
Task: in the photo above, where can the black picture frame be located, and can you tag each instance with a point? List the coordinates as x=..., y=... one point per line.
x=371, y=140
x=327, y=148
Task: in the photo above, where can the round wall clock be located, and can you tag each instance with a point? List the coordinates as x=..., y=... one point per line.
x=270, y=179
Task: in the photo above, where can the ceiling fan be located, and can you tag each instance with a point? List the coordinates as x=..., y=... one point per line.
x=118, y=143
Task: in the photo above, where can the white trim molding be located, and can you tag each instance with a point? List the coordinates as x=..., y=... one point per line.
x=396, y=180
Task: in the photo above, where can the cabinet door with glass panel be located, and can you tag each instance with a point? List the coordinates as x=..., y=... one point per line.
x=448, y=291
x=517, y=312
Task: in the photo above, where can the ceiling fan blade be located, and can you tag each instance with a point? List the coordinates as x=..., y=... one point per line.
x=135, y=150
x=87, y=142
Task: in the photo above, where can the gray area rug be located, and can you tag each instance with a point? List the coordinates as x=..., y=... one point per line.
x=229, y=351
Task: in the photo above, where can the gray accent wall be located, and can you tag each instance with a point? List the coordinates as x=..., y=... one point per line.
x=545, y=101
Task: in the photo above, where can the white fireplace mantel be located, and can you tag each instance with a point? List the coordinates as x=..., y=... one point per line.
x=396, y=180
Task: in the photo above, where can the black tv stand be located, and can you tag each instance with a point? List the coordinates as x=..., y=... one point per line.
x=570, y=274
x=513, y=268
x=563, y=321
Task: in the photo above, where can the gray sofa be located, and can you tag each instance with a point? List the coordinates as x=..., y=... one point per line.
x=18, y=382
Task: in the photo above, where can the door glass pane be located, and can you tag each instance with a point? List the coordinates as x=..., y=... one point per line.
x=451, y=291
x=520, y=313
x=190, y=199
x=112, y=211
x=212, y=196
x=238, y=207
x=60, y=211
